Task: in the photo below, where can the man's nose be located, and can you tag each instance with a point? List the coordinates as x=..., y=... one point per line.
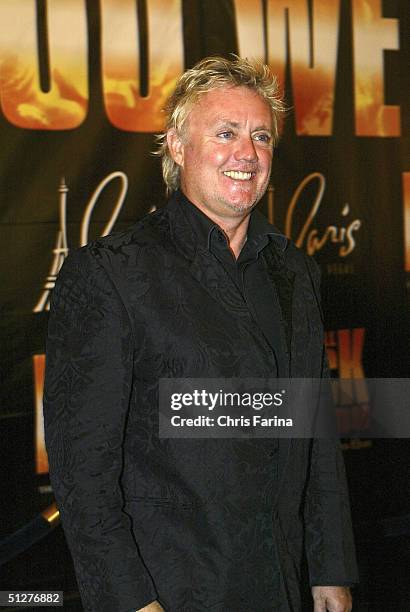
x=246, y=149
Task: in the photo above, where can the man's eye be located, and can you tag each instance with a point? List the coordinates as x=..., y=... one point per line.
x=225, y=135
x=263, y=137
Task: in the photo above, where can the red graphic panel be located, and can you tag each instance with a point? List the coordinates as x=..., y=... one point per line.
x=406, y=206
x=39, y=363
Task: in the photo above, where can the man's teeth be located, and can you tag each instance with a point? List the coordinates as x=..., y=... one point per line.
x=238, y=176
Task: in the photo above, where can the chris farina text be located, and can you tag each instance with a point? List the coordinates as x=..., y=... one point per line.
x=224, y=420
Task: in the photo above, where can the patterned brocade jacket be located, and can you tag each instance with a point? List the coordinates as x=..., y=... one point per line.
x=199, y=524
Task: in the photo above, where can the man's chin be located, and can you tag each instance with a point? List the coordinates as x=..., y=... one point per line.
x=242, y=206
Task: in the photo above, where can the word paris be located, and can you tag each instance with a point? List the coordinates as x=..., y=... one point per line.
x=45, y=58
x=308, y=236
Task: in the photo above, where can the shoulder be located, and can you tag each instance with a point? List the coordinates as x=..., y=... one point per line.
x=305, y=263
x=282, y=251
x=119, y=250
x=150, y=232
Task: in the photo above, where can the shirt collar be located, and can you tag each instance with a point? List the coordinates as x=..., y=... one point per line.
x=260, y=231
x=202, y=225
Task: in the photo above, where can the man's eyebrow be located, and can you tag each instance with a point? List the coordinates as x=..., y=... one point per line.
x=228, y=123
x=262, y=128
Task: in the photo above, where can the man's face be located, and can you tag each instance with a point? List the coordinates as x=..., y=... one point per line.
x=226, y=151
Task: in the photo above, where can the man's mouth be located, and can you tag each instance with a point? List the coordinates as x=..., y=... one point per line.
x=237, y=175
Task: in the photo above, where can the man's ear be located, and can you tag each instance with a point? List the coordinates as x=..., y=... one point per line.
x=175, y=146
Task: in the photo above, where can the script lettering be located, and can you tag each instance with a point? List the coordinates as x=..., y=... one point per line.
x=309, y=237
x=85, y=224
x=61, y=249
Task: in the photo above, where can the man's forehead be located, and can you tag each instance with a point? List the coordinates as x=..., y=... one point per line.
x=228, y=106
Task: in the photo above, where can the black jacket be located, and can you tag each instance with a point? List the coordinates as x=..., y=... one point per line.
x=211, y=524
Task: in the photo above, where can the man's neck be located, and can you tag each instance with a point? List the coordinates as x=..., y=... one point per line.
x=235, y=228
x=235, y=231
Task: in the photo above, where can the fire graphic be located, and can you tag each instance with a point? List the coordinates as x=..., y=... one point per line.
x=263, y=35
x=125, y=107
x=23, y=101
x=39, y=364
x=313, y=58
x=344, y=351
x=65, y=105
x=372, y=34
x=406, y=208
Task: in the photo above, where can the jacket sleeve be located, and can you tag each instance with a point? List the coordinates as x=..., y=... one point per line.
x=87, y=390
x=329, y=541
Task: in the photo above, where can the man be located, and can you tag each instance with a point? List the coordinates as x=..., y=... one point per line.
x=205, y=287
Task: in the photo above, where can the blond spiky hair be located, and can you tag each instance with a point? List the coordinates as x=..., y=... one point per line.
x=208, y=74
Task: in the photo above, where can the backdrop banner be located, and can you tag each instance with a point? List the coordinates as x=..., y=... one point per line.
x=82, y=85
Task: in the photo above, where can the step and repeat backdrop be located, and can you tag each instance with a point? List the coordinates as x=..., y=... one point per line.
x=82, y=85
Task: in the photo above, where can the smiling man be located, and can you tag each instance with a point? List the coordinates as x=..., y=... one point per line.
x=204, y=288
x=224, y=154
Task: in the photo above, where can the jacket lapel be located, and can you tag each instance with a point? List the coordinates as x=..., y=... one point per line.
x=287, y=280
x=282, y=280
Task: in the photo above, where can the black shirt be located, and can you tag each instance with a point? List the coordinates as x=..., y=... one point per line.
x=248, y=272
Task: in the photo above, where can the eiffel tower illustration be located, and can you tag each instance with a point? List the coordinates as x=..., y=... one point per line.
x=60, y=251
